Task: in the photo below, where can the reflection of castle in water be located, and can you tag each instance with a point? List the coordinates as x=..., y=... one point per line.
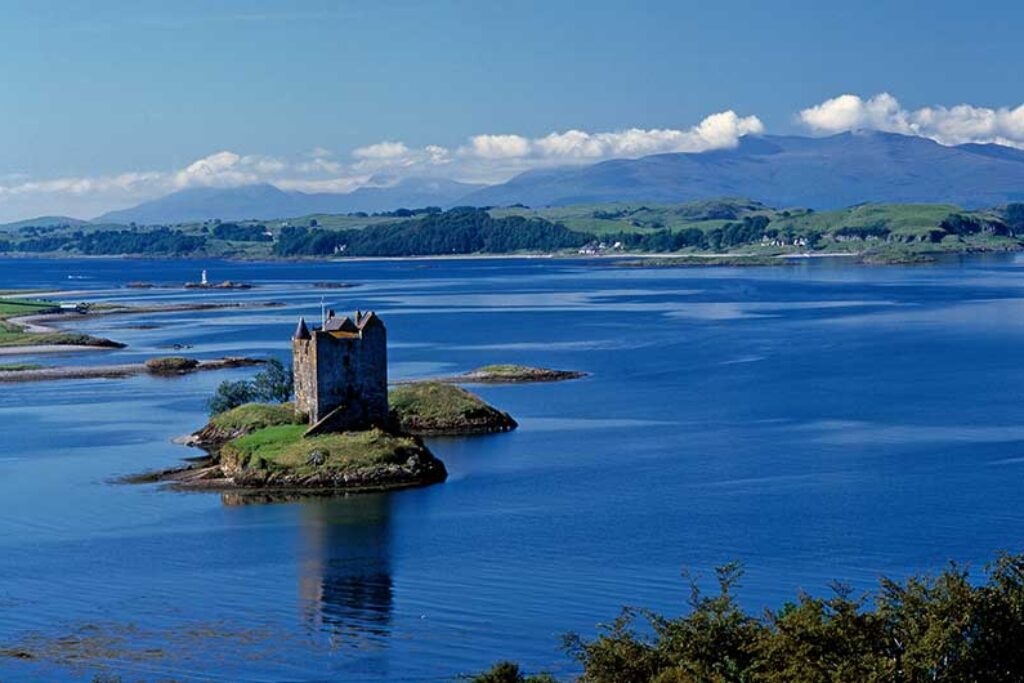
x=345, y=582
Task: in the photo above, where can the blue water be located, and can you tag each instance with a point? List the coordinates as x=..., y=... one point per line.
x=818, y=422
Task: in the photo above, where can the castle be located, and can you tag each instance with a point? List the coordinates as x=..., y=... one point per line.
x=341, y=373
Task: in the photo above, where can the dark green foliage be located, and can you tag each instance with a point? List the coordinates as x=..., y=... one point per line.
x=273, y=384
x=507, y=672
x=44, y=244
x=942, y=629
x=243, y=233
x=661, y=240
x=162, y=241
x=230, y=395
x=159, y=241
x=959, y=224
x=458, y=231
x=1013, y=214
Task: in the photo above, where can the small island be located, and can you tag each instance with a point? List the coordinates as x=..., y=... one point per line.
x=440, y=409
x=514, y=374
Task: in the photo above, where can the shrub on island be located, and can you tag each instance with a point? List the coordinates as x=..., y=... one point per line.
x=273, y=384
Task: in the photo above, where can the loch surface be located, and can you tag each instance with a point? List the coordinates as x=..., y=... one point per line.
x=816, y=422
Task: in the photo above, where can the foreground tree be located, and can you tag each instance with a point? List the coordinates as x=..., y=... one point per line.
x=943, y=629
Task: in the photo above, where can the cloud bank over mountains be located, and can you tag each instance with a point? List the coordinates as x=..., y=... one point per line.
x=495, y=157
x=957, y=125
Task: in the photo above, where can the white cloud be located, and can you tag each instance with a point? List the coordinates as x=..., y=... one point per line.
x=717, y=131
x=947, y=125
x=381, y=150
x=498, y=146
x=721, y=130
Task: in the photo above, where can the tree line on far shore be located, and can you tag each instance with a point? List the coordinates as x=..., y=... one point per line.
x=468, y=230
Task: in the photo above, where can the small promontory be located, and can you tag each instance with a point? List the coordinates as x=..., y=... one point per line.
x=439, y=408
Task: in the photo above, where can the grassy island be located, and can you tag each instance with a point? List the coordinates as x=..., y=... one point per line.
x=515, y=374
x=369, y=459
x=439, y=408
x=263, y=446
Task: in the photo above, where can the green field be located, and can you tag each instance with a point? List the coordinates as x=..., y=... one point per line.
x=611, y=218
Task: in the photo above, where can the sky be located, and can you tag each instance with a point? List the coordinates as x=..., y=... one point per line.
x=105, y=104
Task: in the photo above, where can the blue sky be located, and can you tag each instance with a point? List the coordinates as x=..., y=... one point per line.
x=123, y=97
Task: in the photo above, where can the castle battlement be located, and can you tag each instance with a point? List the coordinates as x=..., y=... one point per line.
x=341, y=372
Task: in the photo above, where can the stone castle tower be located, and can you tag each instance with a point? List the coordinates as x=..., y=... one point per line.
x=341, y=373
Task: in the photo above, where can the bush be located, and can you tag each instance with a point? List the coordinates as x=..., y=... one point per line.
x=945, y=628
x=230, y=395
x=508, y=672
x=273, y=384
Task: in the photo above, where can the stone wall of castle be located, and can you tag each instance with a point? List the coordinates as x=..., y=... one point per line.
x=344, y=374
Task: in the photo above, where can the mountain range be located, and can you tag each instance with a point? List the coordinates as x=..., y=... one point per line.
x=818, y=173
x=265, y=201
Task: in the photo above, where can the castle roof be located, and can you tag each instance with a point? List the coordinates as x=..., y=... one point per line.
x=301, y=331
x=365, y=320
x=341, y=325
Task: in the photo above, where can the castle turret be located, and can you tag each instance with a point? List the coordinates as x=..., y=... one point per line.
x=340, y=371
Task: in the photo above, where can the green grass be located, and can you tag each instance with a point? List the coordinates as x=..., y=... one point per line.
x=12, y=334
x=506, y=369
x=902, y=219
x=255, y=416
x=642, y=217
x=9, y=338
x=10, y=308
x=284, y=447
x=435, y=401
x=17, y=367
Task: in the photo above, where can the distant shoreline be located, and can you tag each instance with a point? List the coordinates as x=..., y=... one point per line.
x=899, y=258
